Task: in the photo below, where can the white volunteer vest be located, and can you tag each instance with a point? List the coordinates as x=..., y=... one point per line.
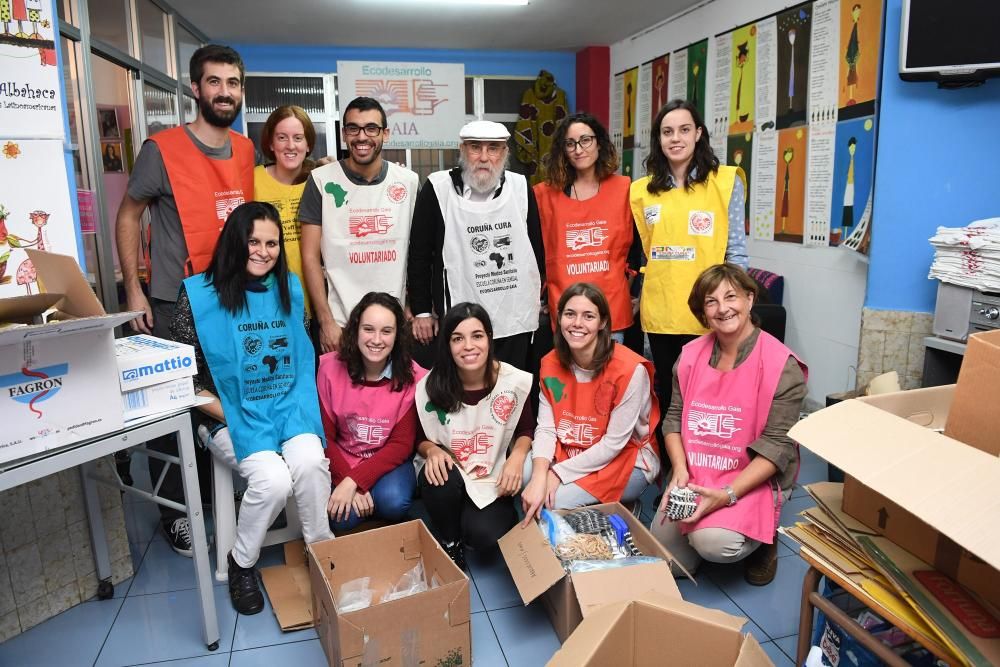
x=366, y=235
x=478, y=436
x=488, y=258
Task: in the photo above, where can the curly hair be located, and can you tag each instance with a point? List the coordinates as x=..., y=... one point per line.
x=401, y=355
x=703, y=162
x=560, y=172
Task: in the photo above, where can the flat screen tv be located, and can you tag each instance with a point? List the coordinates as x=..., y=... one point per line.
x=949, y=42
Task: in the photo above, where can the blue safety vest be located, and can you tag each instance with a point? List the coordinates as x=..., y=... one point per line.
x=262, y=362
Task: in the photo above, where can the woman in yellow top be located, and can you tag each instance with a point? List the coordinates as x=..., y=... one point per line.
x=286, y=141
x=689, y=214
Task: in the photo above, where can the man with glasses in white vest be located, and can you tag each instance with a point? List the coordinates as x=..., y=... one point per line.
x=355, y=216
x=476, y=236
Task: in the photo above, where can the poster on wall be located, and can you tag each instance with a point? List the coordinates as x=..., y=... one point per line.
x=762, y=184
x=790, y=187
x=718, y=119
x=853, y=166
x=630, y=81
x=30, y=92
x=677, y=76
x=35, y=214
x=793, y=41
x=823, y=68
x=617, y=106
x=653, y=86
x=739, y=153
x=860, y=30
x=697, y=73
x=744, y=71
x=424, y=102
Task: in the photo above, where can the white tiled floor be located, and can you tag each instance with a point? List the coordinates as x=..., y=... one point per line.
x=154, y=616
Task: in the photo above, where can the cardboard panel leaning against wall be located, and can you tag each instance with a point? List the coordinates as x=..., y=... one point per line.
x=825, y=285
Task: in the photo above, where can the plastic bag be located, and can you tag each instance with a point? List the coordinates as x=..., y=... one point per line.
x=555, y=528
x=354, y=595
x=411, y=583
x=592, y=565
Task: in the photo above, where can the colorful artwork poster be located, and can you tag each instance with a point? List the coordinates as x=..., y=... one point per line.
x=35, y=210
x=744, y=71
x=628, y=160
x=660, y=76
x=739, y=153
x=697, y=62
x=794, y=37
x=30, y=91
x=629, y=112
x=853, y=172
x=790, y=188
x=860, y=30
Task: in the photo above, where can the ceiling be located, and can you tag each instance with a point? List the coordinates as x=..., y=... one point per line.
x=543, y=25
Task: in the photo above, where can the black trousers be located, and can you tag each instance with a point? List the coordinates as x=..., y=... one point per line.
x=457, y=518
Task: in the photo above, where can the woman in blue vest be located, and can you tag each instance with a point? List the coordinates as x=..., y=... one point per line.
x=245, y=318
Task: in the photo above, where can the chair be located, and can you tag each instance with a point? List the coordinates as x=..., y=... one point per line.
x=224, y=514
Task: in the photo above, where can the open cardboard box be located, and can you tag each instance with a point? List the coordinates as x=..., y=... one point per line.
x=429, y=628
x=569, y=598
x=58, y=381
x=658, y=629
x=933, y=495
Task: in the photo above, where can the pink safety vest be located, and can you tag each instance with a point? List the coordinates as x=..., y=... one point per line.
x=363, y=415
x=724, y=411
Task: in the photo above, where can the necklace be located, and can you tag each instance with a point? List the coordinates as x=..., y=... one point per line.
x=576, y=194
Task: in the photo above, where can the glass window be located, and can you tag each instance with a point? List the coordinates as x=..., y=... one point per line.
x=109, y=23
x=470, y=96
x=504, y=95
x=187, y=44
x=264, y=94
x=153, y=28
x=190, y=109
x=161, y=108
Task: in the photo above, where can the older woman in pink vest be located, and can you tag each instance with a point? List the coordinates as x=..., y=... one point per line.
x=736, y=392
x=366, y=401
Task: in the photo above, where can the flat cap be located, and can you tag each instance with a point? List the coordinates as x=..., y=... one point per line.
x=484, y=130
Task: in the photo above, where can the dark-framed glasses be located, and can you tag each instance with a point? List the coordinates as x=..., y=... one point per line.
x=372, y=130
x=584, y=142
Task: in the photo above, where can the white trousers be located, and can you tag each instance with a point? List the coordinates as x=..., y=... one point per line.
x=301, y=469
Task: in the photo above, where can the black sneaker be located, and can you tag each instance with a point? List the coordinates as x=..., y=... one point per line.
x=456, y=552
x=178, y=533
x=244, y=590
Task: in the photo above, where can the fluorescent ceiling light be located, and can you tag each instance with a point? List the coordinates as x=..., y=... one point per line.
x=472, y=3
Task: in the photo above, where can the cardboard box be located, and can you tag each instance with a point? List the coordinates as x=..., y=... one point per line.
x=972, y=419
x=429, y=628
x=658, y=629
x=57, y=379
x=289, y=590
x=569, y=598
x=155, y=375
x=932, y=495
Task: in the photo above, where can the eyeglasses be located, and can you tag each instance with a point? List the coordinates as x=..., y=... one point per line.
x=371, y=130
x=584, y=142
x=493, y=148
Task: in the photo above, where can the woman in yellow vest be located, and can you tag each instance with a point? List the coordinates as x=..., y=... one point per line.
x=286, y=141
x=594, y=440
x=689, y=214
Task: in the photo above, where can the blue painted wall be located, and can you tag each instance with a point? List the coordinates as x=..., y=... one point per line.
x=938, y=165
x=323, y=59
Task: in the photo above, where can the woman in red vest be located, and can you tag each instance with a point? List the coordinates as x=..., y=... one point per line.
x=594, y=441
x=366, y=403
x=587, y=226
x=736, y=392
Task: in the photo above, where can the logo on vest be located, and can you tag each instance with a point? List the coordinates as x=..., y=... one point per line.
x=363, y=225
x=338, y=193
x=701, y=223
x=396, y=192
x=479, y=244
x=225, y=205
x=652, y=214
x=365, y=433
x=252, y=344
x=503, y=406
x=573, y=434
x=578, y=239
x=477, y=444
x=672, y=252
x=720, y=425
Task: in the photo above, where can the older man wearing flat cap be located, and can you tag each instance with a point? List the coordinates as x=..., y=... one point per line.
x=476, y=236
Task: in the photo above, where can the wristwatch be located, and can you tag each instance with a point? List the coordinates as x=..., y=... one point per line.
x=732, y=495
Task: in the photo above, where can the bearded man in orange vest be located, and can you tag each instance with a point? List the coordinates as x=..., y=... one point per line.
x=190, y=178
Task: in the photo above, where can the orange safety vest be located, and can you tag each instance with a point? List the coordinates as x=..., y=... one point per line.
x=588, y=241
x=581, y=411
x=206, y=190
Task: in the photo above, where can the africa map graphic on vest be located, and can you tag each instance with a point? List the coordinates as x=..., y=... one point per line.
x=338, y=193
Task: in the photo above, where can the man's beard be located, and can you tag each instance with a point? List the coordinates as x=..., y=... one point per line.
x=479, y=181
x=215, y=118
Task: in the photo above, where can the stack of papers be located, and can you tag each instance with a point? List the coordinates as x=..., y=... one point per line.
x=968, y=256
x=890, y=580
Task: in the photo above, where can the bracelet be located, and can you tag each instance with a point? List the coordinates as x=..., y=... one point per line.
x=732, y=495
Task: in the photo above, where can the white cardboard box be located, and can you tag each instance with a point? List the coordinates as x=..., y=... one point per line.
x=163, y=397
x=57, y=380
x=146, y=360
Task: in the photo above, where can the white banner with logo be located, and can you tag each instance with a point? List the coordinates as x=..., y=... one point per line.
x=424, y=102
x=30, y=92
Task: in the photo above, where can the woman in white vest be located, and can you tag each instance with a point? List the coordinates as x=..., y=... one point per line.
x=475, y=433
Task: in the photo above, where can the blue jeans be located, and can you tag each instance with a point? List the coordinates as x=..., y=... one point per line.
x=393, y=494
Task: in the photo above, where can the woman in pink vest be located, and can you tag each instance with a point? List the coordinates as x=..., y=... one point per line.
x=736, y=392
x=366, y=402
